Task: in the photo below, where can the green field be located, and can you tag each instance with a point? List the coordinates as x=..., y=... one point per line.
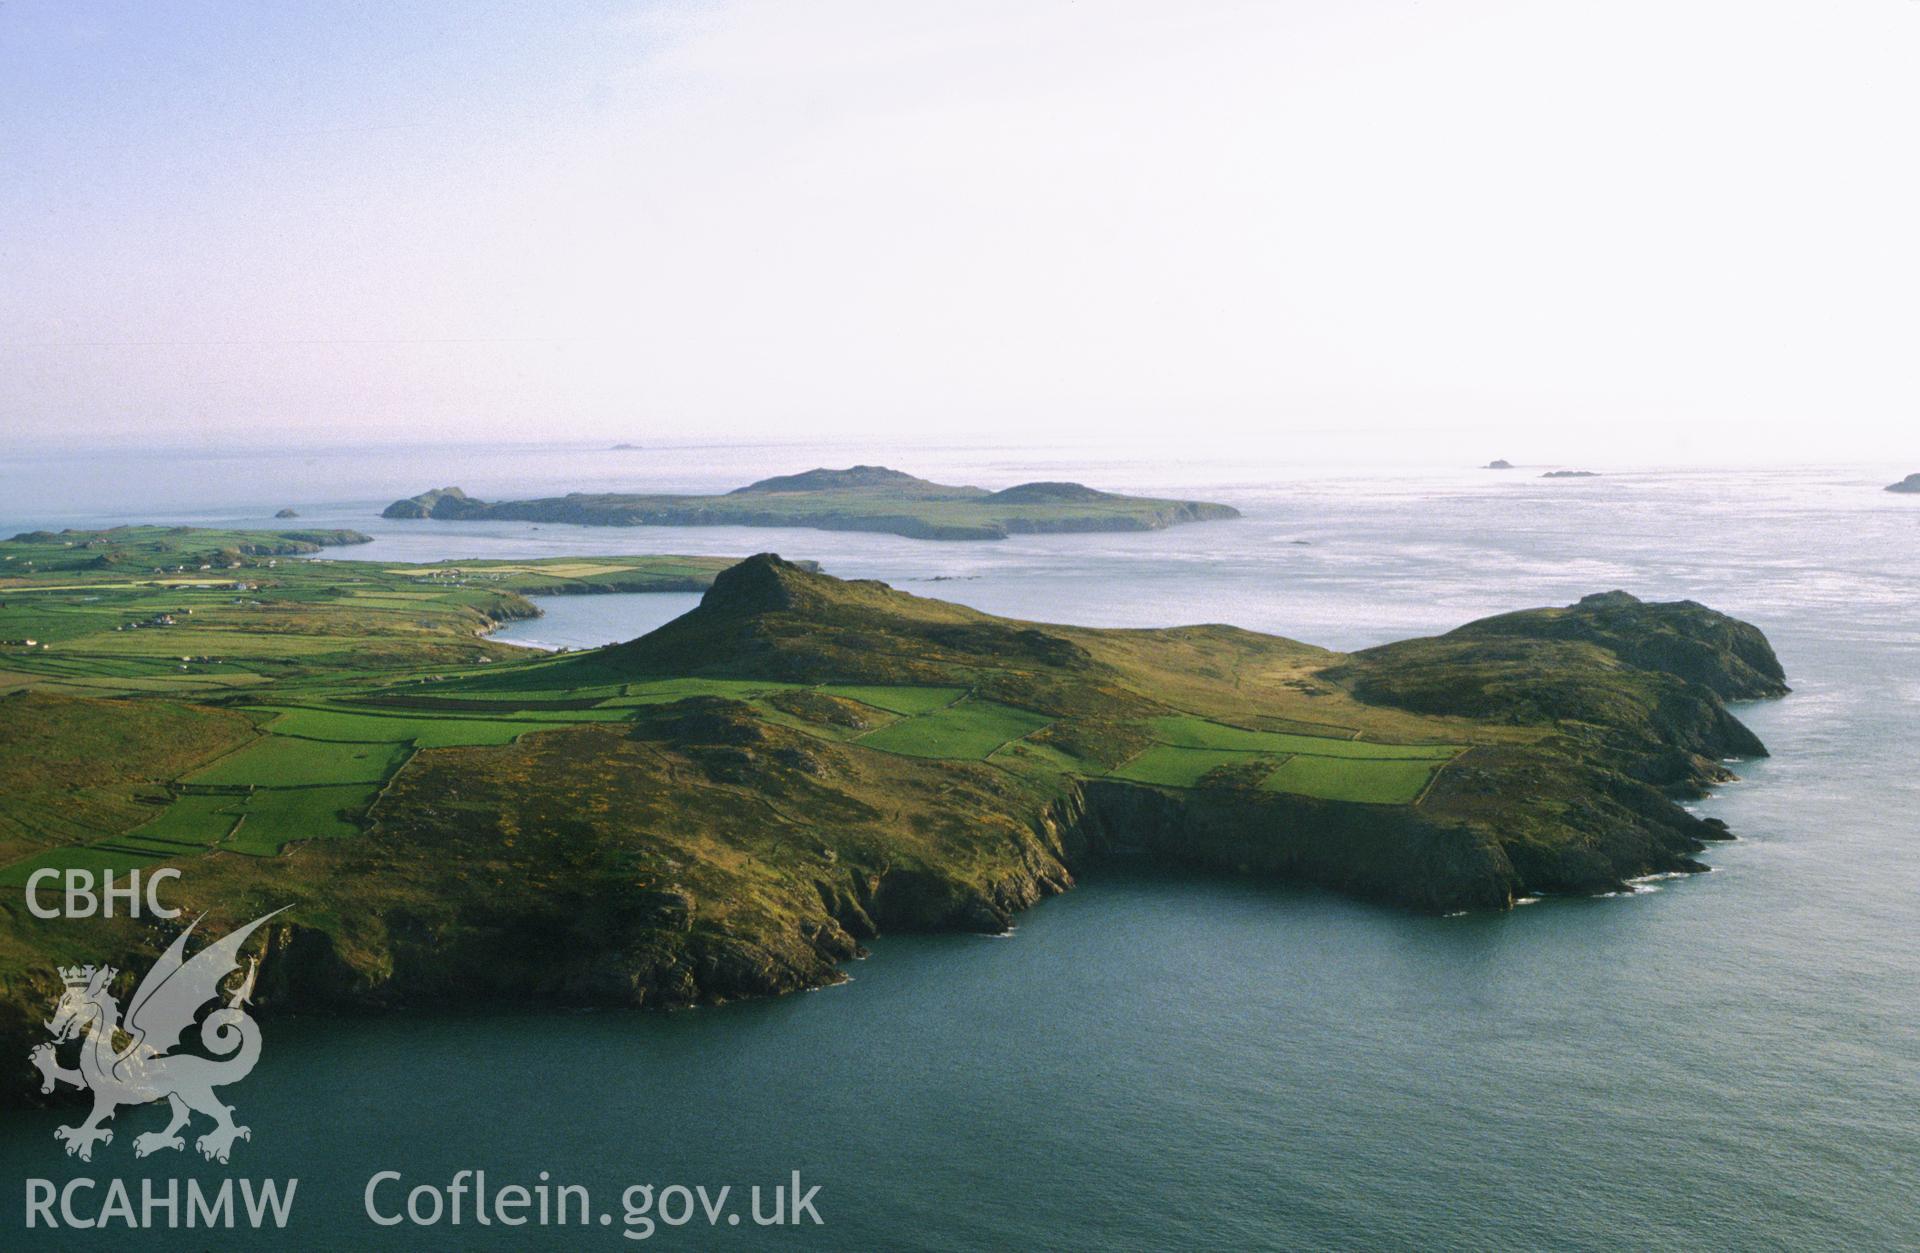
x=1369, y=782
x=898, y=700
x=98, y=859
x=1186, y=731
x=970, y=730
x=260, y=824
x=282, y=761
x=190, y=823
x=1168, y=766
x=276, y=817
x=1304, y=765
x=337, y=726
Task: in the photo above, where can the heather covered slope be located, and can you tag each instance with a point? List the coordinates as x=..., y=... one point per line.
x=1641, y=684
x=859, y=498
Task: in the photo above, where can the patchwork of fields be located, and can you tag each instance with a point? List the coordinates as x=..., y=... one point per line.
x=319, y=764
x=326, y=678
x=189, y=612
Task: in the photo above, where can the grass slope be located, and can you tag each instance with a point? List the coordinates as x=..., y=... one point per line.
x=970, y=730
x=1369, y=782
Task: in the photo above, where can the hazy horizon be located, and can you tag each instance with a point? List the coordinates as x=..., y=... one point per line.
x=1309, y=452
x=1622, y=233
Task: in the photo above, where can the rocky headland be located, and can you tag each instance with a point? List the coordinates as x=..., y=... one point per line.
x=803, y=763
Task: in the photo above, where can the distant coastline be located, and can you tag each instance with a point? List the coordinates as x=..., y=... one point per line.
x=858, y=498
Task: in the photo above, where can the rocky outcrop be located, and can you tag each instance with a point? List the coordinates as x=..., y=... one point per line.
x=1634, y=689
x=1909, y=484
x=1683, y=638
x=441, y=502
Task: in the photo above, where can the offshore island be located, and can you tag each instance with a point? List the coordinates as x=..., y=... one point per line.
x=859, y=498
x=731, y=805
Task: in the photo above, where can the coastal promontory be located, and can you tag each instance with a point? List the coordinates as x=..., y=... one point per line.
x=1909, y=484
x=733, y=804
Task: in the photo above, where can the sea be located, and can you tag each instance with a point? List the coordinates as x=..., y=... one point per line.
x=1161, y=1059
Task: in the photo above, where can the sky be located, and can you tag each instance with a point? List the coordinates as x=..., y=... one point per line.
x=1609, y=229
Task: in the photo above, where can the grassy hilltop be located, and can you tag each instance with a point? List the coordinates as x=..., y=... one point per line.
x=730, y=805
x=860, y=498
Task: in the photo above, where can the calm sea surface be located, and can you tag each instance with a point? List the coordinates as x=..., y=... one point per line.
x=1156, y=1060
